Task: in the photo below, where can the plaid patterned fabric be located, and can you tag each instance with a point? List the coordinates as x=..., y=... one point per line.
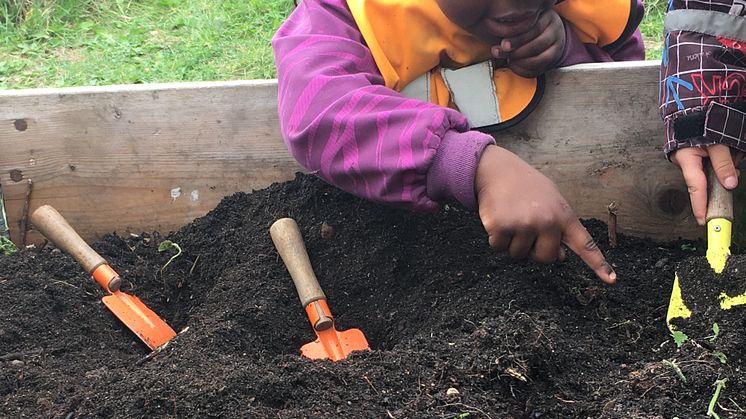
x=703, y=79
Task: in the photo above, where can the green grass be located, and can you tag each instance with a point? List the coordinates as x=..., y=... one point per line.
x=652, y=28
x=56, y=43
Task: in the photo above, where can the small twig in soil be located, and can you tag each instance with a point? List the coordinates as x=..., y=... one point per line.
x=365, y=377
x=151, y=355
x=64, y=283
x=626, y=330
x=704, y=362
x=613, y=238
x=563, y=400
x=24, y=216
x=720, y=384
x=609, y=405
x=509, y=303
x=614, y=326
x=335, y=375
x=388, y=413
x=193, y=265
x=440, y=377
x=418, y=393
x=642, y=396
x=41, y=247
x=538, y=329
x=736, y=404
x=677, y=369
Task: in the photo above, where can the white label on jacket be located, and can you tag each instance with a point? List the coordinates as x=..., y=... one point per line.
x=473, y=92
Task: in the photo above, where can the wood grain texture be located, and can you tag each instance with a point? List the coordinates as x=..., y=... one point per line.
x=599, y=136
x=138, y=158
x=154, y=157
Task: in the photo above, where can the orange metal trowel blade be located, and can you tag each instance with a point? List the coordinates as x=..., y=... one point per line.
x=141, y=320
x=335, y=345
x=330, y=343
x=129, y=309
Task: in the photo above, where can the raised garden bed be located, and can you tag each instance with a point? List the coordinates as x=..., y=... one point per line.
x=456, y=330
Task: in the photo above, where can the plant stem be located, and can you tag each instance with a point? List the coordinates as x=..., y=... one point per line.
x=178, y=252
x=711, y=408
x=676, y=368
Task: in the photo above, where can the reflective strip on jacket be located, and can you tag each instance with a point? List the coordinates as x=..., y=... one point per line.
x=410, y=39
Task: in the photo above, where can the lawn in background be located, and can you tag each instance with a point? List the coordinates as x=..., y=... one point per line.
x=57, y=43
x=652, y=28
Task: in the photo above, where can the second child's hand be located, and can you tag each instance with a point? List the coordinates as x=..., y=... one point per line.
x=525, y=215
x=691, y=162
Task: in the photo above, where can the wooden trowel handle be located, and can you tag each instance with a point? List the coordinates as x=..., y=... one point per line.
x=54, y=227
x=289, y=243
x=719, y=199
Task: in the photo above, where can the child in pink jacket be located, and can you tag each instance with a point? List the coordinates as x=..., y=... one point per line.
x=387, y=99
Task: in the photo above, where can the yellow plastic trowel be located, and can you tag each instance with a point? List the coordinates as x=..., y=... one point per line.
x=719, y=228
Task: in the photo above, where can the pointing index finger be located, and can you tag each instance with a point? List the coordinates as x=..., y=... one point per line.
x=577, y=238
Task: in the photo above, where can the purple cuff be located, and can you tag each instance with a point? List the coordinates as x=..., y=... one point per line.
x=576, y=52
x=454, y=168
x=573, y=47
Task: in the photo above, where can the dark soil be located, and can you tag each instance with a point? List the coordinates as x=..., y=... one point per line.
x=441, y=311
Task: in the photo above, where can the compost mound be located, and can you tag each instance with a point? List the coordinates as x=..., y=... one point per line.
x=456, y=331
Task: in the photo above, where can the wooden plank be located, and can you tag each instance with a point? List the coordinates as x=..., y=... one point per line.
x=599, y=136
x=138, y=158
x=154, y=157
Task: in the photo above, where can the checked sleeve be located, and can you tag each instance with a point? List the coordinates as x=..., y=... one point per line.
x=703, y=74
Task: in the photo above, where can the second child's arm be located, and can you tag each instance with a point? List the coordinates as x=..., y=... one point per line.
x=701, y=98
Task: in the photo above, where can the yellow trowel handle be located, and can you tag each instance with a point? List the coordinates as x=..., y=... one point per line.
x=719, y=221
x=54, y=227
x=289, y=243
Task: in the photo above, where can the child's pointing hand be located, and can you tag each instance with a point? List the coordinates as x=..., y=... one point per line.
x=526, y=216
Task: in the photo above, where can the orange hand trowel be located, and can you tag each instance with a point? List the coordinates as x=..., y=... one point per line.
x=330, y=343
x=150, y=328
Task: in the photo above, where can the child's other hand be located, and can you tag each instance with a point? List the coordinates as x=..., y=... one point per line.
x=536, y=51
x=526, y=216
x=691, y=162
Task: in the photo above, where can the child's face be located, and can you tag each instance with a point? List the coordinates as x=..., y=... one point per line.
x=492, y=20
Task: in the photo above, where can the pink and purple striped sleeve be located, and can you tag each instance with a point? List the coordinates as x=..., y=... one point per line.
x=343, y=124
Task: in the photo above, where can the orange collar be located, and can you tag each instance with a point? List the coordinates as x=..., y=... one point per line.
x=408, y=38
x=411, y=37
